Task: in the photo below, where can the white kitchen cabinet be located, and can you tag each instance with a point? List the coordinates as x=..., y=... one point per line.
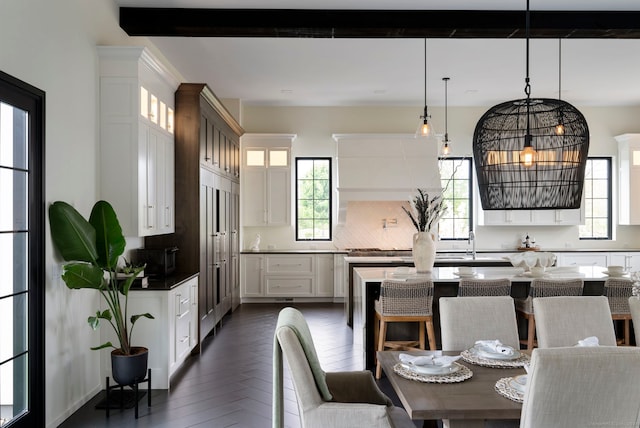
x=137, y=139
x=286, y=276
x=583, y=259
x=630, y=260
x=340, y=277
x=504, y=217
x=324, y=275
x=629, y=178
x=531, y=217
x=252, y=274
x=266, y=179
x=170, y=337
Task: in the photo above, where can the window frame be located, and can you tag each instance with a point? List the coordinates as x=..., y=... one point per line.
x=32, y=100
x=609, y=236
x=330, y=187
x=468, y=159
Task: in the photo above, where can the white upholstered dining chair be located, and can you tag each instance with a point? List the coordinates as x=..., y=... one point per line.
x=581, y=387
x=464, y=320
x=565, y=320
x=326, y=399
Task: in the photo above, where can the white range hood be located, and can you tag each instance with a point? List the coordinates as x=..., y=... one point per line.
x=384, y=167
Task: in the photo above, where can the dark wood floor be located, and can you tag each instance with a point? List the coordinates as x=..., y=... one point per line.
x=229, y=383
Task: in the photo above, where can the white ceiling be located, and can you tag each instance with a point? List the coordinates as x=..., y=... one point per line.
x=347, y=72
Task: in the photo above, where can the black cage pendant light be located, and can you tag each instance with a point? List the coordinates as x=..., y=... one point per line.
x=446, y=150
x=521, y=162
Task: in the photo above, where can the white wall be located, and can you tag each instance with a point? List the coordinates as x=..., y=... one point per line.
x=51, y=45
x=315, y=125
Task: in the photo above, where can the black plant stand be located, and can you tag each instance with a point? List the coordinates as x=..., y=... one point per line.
x=136, y=398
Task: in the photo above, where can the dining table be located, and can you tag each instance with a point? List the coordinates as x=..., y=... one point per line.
x=468, y=403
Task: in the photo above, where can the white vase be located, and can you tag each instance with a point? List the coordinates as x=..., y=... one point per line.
x=424, y=251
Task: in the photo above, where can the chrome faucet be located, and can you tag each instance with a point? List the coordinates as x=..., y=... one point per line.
x=472, y=240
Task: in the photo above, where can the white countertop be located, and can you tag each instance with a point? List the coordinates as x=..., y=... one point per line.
x=409, y=259
x=449, y=274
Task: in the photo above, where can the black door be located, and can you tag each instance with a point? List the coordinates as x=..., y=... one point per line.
x=22, y=379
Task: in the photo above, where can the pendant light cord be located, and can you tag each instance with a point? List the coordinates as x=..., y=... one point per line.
x=425, y=71
x=527, y=87
x=559, y=69
x=446, y=127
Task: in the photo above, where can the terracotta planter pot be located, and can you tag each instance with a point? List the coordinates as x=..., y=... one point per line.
x=129, y=369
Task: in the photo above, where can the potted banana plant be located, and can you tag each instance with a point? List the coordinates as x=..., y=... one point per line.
x=91, y=249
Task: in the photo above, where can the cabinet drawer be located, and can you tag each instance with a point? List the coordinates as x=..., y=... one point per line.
x=183, y=330
x=289, y=287
x=290, y=264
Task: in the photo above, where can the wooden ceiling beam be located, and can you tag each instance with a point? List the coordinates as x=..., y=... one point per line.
x=316, y=23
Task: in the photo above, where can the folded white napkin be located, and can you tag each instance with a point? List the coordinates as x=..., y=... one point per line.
x=589, y=341
x=429, y=360
x=496, y=346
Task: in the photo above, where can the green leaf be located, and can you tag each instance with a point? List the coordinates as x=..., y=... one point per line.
x=72, y=235
x=110, y=242
x=94, y=322
x=104, y=345
x=82, y=275
x=134, y=318
x=126, y=284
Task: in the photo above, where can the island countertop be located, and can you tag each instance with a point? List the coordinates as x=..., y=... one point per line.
x=449, y=274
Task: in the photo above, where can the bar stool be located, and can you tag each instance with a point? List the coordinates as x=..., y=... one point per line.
x=472, y=287
x=618, y=291
x=541, y=287
x=404, y=301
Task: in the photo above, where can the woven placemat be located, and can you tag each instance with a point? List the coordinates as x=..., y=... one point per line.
x=472, y=358
x=503, y=388
x=463, y=373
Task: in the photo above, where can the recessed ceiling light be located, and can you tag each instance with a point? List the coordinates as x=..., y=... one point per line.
x=380, y=91
x=286, y=91
x=471, y=91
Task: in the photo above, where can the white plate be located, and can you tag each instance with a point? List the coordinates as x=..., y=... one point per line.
x=606, y=272
x=518, y=383
x=432, y=369
x=488, y=354
x=465, y=275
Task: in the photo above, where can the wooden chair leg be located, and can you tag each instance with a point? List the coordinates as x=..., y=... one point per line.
x=381, y=339
x=431, y=335
x=531, y=333
x=627, y=333
x=422, y=344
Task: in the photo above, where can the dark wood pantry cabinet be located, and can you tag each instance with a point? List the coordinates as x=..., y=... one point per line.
x=207, y=189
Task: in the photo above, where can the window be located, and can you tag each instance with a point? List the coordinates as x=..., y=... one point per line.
x=22, y=248
x=456, y=177
x=313, y=199
x=597, y=199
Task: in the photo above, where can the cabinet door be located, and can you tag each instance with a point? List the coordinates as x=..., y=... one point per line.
x=324, y=275
x=505, y=217
x=557, y=217
x=193, y=332
x=147, y=161
x=251, y=280
x=182, y=322
x=278, y=196
x=164, y=183
x=586, y=259
x=340, y=276
x=630, y=261
x=254, y=203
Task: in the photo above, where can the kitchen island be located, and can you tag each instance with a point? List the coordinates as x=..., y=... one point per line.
x=366, y=288
x=404, y=258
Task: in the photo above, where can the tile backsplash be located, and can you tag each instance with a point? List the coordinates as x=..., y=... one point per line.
x=375, y=224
